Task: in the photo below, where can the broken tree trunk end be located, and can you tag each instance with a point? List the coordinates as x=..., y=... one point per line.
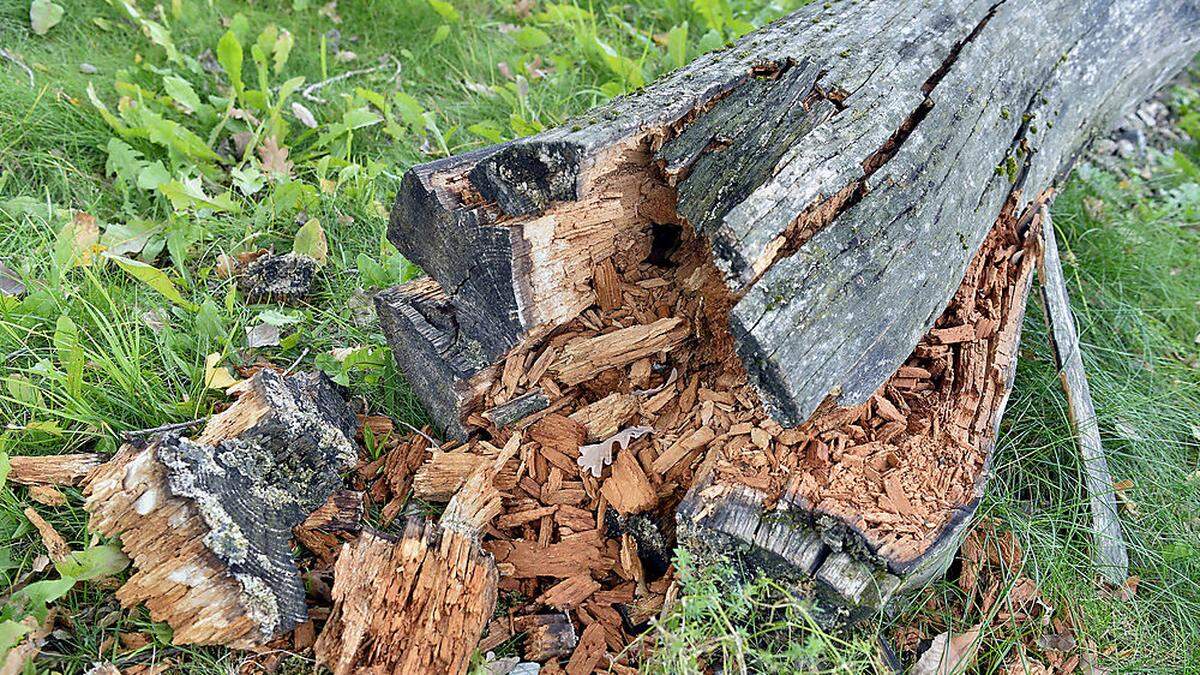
x=208, y=521
x=779, y=291
x=1111, y=558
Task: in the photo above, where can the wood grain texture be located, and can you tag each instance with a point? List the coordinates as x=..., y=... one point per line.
x=1109, y=552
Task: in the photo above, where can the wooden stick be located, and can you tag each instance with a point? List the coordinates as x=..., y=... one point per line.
x=1110, y=555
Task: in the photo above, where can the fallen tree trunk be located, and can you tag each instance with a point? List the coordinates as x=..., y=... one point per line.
x=801, y=259
x=208, y=521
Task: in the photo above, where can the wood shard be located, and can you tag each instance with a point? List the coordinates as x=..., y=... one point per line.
x=627, y=489
x=53, y=469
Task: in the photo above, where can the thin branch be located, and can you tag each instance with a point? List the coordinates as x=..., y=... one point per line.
x=177, y=426
x=309, y=91
x=20, y=64
x=296, y=362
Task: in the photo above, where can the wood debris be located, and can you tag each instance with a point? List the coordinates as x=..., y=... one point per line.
x=419, y=603
x=69, y=470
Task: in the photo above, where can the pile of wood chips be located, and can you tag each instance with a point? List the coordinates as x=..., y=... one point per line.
x=616, y=409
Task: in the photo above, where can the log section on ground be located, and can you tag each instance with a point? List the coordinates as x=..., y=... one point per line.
x=208, y=521
x=835, y=209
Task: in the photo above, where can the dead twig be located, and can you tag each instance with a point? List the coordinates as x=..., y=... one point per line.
x=19, y=63
x=309, y=92
x=176, y=426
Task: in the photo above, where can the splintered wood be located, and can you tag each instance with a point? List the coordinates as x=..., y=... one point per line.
x=620, y=405
x=208, y=521
x=418, y=604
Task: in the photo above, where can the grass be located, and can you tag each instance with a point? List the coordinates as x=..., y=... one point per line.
x=126, y=357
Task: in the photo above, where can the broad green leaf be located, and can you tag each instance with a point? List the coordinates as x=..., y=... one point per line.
x=70, y=352
x=208, y=321
x=445, y=10
x=44, y=15
x=172, y=135
x=181, y=91
x=189, y=194
x=710, y=41
x=23, y=391
x=104, y=560
x=411, y=111
x=278, y=318
x=677, y=45
x=11, y=633
x=5, y=465
x=440, y=35
x=310, y=241
x=152, y=175
x=564, y=13
x=123, y=162
x=529, y=37
x=283, y=49
x=130, y=238
x=105, y=112
x=488, y=130
x=229, y=55
x=154, y=278
x=39, y=593
x=714, y=12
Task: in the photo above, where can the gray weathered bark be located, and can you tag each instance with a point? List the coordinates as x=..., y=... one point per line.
x=843, y=162
x=1111, y=558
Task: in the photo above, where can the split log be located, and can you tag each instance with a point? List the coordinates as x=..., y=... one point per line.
x=1112, y=560
x=208, y=521
x=820, y=232
x=418, y=604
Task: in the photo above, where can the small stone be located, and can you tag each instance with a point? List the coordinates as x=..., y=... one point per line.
x=88, y=69
x=1106, y=146
x=1125, y=148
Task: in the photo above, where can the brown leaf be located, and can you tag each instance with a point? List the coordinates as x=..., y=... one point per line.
x=275, y=158
x=949, y=653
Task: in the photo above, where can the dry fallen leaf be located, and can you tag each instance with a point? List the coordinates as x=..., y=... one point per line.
x=217, y=377
x=949, y=653
x=275, y=158
x=262, y=335
x=596, y=456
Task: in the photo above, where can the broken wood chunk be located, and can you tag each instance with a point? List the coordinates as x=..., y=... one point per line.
x=627, y=489
x=417, y=603
x=281, y=278
x=68, y=470
x=584, y=358
x=208, y=521
x=439, y=359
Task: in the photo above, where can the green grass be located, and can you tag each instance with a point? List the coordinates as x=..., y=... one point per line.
x=1134, y=266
